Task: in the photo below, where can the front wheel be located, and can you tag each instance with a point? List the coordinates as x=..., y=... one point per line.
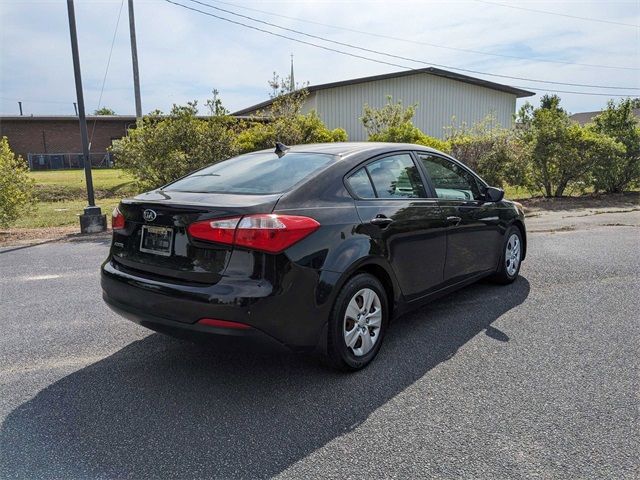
x=511, y=257
x=357, y=324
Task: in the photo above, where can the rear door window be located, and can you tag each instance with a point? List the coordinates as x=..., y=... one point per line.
x=396, y=176
x=361, y=185
x=260, y=173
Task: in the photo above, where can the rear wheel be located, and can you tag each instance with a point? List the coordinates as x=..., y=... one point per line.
x=511, y=257
x=358, y=323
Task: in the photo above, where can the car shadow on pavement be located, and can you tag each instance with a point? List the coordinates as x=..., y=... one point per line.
x=166, y=408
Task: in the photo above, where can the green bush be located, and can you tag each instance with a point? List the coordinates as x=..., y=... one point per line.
x=16, y=187
x=408, y=133
x=163, y=148
x=582, y=151
x=297, y=130
x=494, y=152
x=284, y=122
x=616, y=173
x=377, y=121
x=559, y=154
x=393, y=123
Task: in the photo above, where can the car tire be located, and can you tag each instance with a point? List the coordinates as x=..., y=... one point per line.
x=511, y=257
x=357, y=323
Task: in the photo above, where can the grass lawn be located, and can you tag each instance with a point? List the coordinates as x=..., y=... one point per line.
x=58, y=185
x=62, y=214
x=516, y=193
x=102, y=177
x=62, y=196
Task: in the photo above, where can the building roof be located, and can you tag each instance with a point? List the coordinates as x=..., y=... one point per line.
x=90, y=118
x=586, y=117
x=74, y=118
x=429, y=70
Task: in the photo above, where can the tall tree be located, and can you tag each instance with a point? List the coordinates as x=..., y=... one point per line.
x=560, y=153
x=618, y=121
x=104, y=111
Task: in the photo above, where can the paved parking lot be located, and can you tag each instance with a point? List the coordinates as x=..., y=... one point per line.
x=537, y=379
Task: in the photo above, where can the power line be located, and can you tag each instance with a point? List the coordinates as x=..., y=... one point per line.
x=558, y=14
x=342, y=52
x=399, y=57
x=576, y=93
x=418, y=42
x=106, y=70
x=252, y=27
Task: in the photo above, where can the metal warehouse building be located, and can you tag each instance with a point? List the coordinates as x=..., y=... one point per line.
x=440, y=95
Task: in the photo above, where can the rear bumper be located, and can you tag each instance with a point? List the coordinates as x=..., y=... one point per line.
x=195, y=332
x=292, y=312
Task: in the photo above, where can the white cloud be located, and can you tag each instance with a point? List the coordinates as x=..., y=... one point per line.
x=184, y=55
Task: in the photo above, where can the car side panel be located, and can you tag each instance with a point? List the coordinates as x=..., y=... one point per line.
x=414, y=244
x=473, y=245
x=342, y=244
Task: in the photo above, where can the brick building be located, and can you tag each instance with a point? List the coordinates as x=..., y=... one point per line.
x=51, y=142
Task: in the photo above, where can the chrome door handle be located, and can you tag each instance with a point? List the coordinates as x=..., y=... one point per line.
x=381, y=220
x=453, y=220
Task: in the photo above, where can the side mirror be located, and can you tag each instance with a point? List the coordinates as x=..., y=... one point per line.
x=493, y=194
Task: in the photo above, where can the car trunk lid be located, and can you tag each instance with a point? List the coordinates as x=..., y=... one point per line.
x=156, y=244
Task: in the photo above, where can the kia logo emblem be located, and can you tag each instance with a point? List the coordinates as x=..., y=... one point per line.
x=149, y=215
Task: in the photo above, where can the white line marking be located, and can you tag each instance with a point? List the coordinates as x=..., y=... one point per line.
x=52, y=364
x=38, y=277
x=35, y=278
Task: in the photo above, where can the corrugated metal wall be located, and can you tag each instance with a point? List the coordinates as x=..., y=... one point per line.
x=439, y=101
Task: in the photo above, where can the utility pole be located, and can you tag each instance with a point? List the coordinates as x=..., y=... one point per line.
x=93, y=220
x=134, y=61
x=20, y=106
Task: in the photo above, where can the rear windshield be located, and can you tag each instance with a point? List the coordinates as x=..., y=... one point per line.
x=253, y=173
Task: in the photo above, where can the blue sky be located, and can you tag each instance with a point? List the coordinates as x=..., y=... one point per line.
x=184, y=55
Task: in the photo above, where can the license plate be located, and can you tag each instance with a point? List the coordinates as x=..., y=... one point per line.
x=156, y=240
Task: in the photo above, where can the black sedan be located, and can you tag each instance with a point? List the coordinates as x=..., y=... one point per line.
x=316, y=246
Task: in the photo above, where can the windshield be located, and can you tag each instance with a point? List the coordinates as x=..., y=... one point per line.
x=257, y=173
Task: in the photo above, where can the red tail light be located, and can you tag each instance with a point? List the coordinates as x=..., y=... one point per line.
x=117, y=219
x=213, y=322
x=267, y=232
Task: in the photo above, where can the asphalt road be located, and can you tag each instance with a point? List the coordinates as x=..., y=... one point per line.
x=536, y=379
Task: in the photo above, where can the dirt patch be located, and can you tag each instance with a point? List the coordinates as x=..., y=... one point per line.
x=32, y=236
x=565, y=228
x=625, y=201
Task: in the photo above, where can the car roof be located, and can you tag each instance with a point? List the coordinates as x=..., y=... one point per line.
x=344, y=149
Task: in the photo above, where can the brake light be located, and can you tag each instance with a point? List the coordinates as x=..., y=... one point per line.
x=117, y=219
x=267, y=232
